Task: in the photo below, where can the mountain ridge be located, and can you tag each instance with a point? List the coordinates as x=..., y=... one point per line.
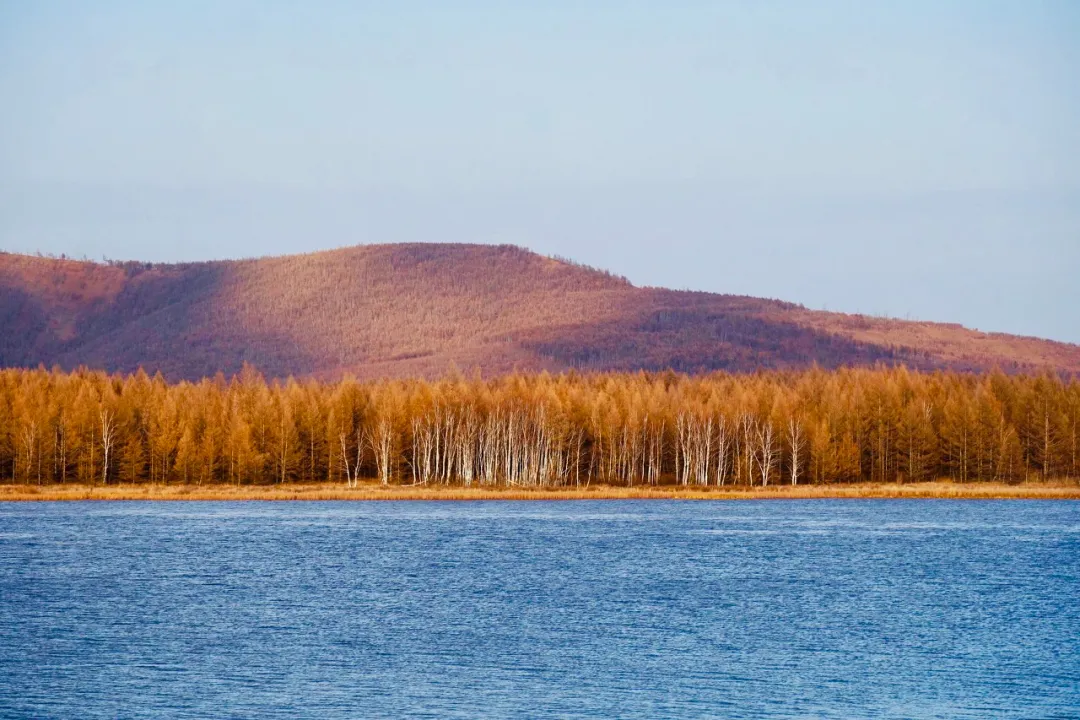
x=422, y=309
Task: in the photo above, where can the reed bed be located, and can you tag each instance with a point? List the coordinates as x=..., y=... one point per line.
x=1062, y=490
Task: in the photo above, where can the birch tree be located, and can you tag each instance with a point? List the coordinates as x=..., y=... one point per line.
x=108, y=437
x=796, y=441
x=766, y=451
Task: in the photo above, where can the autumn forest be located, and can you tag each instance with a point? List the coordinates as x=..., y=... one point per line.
x=540, y=430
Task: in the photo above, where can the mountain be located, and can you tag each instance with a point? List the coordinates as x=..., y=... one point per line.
x=422, y=309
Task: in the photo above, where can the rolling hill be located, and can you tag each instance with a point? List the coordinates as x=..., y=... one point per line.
x=422, y=309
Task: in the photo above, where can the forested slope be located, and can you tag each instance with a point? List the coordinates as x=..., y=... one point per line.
x=422, y=309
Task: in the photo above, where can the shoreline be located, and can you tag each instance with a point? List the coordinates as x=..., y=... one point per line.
x=1061, y=490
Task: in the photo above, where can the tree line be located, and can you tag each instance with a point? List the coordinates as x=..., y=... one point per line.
x=813, y=426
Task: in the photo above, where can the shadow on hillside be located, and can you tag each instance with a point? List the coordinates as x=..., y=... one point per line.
x=164, y=320
x=709, y=333
x=28, y=340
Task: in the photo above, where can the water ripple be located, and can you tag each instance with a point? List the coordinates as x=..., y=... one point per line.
x=636, y=609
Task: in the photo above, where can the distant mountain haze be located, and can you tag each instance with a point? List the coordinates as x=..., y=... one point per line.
x=429, y=309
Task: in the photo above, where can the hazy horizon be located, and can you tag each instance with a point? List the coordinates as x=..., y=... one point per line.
x=914, y=161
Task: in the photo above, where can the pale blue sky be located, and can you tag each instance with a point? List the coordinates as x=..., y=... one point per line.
x=914, y=159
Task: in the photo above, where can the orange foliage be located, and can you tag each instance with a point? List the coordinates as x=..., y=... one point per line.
x=528, y=430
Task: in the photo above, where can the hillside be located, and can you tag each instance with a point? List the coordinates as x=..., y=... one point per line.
x=421, y=309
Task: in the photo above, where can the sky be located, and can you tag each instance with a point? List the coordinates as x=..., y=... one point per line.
x=911, y=159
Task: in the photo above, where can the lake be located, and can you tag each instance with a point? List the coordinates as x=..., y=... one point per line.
x=629, y=609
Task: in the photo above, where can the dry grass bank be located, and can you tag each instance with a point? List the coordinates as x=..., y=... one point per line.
x=1051, y=491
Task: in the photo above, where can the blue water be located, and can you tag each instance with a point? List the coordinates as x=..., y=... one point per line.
x=577, y=609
